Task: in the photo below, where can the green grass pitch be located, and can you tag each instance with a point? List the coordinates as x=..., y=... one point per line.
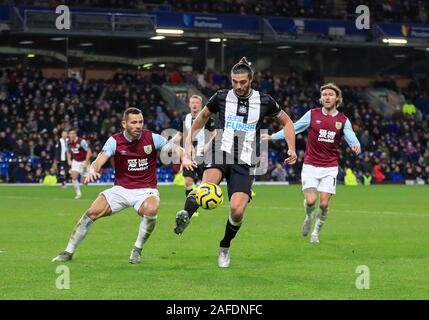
x=382, y=227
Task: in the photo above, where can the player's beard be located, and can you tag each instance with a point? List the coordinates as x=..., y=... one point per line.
x=243, y=92
x=134, y=133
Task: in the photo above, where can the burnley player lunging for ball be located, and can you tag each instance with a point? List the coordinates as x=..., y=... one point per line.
x=135, y=154
x=326, y=126
x=241, y=112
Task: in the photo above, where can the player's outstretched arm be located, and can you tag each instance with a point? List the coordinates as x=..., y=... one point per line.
x=300, y=126
x=351, y=138
x=289, y=133
x=212, y=137
x=198, y=124
x=180, y=153
x=94, y=169
x=266, y=136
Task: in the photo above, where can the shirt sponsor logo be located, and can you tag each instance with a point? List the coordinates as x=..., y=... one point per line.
x=148, y=149
x=137, y=164
x=326, y=136
x=236, y=123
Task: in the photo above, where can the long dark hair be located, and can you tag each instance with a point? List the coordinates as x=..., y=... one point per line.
x=243, y=66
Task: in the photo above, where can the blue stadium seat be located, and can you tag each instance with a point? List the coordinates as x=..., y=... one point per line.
x=35, y=161
x=273, y=156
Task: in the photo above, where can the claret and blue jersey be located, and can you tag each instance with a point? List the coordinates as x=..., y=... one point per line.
x=135, y=161
x=324, y=136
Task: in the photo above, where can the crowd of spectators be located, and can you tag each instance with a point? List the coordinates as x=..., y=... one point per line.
x=35, y=109
x=380, y=10
x=115, y=4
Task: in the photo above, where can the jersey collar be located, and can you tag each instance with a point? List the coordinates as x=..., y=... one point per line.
x=244, y=97
x=326, y=114
x=124, y=133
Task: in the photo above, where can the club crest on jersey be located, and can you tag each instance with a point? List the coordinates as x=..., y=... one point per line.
x=122, y=152
x=338, y=125
x=148, y=149
x=318, y=122
x=242, y=109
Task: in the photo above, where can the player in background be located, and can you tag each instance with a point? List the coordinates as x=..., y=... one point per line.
x=200, y=144
x=135, y=152
x=326, y=126
x=60, y=163
x=241, y=111
x=81, y=152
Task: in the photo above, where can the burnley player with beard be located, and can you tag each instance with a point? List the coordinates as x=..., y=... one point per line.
x=326, y=126
x=135, y=155
x=241, y=112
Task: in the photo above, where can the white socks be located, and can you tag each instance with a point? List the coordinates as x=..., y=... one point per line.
x=79, y=233
x=82, y=227
x=146, y=227
x=322, y=215
x=76, y=186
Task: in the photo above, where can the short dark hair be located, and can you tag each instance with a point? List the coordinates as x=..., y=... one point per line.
x=131, y=111
x=243, y=66
x=71, y=129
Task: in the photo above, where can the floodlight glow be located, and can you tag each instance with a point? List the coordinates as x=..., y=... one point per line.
x=170, y=31
x=395, y=41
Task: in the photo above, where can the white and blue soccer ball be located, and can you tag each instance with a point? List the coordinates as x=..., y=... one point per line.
x=209, y=196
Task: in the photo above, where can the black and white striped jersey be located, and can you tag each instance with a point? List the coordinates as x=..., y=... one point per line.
x=240, y=119
x=201, y=138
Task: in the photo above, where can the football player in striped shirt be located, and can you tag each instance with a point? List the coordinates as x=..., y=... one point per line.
x=241, y=112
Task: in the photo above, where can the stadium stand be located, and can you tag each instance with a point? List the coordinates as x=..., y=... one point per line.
x=383, y=10
x=34, y=110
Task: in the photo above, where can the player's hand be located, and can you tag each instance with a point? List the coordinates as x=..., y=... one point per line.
x=91, y=177
x=292, y=157
x=356, y=149
x=69, y=163
x=266, y=137
x=189, y=164
x=84, y=163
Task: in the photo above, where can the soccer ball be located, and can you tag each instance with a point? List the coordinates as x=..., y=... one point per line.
x=209, y=196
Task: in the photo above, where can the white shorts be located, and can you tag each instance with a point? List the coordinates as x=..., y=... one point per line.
x=324, y=179
x=120, y=198
x=78, y=167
